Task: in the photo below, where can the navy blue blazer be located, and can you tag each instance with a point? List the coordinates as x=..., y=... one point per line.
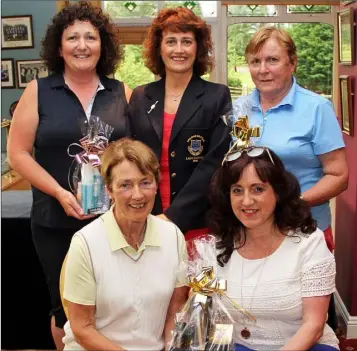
x=198, y=142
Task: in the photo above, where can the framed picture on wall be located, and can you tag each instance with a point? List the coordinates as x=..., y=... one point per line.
x=16, y=32
x=29, y=70
x=7, y=74
x=346, y=105
x=346, y=40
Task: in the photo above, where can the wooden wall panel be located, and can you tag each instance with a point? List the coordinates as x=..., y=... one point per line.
x=132, y=35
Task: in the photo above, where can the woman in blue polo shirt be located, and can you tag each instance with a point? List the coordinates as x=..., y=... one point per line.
x=297, y=124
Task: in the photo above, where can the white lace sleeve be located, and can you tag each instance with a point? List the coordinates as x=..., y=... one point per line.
x=319, y=280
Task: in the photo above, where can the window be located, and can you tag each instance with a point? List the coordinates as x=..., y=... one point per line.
x=148, y=9
x=251, y=10
x=309, y=8
x=131, y=9
x=132, y=70
x=205, y=9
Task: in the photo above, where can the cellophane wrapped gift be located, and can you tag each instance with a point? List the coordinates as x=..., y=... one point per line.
x=84, y=176
x=237, y=119
x=203, y=323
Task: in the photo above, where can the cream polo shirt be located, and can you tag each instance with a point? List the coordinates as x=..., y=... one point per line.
x=130, y=289
x=80, y=285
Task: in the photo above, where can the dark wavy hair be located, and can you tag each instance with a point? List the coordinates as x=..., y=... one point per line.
x=291, y=212
x=179, y=19
x=111, y=53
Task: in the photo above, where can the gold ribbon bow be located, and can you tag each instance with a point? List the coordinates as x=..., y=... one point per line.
x=206, y=283
x=243, y=132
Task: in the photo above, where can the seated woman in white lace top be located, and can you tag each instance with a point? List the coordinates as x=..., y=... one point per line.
x=275, y=260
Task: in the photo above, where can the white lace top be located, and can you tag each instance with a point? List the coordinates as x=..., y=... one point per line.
x=301, y=267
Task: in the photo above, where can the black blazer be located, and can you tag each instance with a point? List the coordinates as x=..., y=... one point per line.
x=198, y=142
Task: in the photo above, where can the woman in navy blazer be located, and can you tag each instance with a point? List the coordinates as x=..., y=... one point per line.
x=179, y=116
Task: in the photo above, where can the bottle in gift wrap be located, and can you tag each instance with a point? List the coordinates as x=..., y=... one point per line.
x=106, y=199
x=199, y=337
x=79, y=192
x=182, y=337
x=87, y=187
x=220, y=338
x=210, y=322
x=97, y=189
x=199, y=320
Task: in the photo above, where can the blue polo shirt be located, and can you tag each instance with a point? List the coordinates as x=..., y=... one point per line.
x=301, y=127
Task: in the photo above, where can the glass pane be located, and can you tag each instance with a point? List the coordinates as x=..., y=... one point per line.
x=309, y=8
x=130, y=9
x=315, y=56
x=132, y=70
x=239, y=80
x=200, y=8
x=251, y=10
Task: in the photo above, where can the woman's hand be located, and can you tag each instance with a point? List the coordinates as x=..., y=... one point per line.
x=70, y=204
x=82, y=322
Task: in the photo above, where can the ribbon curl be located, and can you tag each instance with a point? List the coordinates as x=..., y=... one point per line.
x=206, y=283
x=92, y=149
x=243, y=132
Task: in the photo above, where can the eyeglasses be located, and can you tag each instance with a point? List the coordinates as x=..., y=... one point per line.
x=251, y=152
x=128, y=187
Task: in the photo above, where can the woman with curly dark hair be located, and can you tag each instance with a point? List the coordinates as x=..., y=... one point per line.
x=80, y=48
x=274, y=258
x=179, y=116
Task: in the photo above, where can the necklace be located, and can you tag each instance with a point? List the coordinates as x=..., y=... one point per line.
x=175, y=97
x=245, y=332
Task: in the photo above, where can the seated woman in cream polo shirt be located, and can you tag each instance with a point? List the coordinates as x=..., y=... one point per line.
x=121, y=285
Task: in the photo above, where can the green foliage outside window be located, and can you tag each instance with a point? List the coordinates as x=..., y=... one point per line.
x=196, y=9
x=251, y=10
x=314, y=44
x=308, y=8
x=117, y=9
x=132, y=70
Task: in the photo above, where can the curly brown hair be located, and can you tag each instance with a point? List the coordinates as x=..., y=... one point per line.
x=291, y=212
x=183, y=20
x=111, y=53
